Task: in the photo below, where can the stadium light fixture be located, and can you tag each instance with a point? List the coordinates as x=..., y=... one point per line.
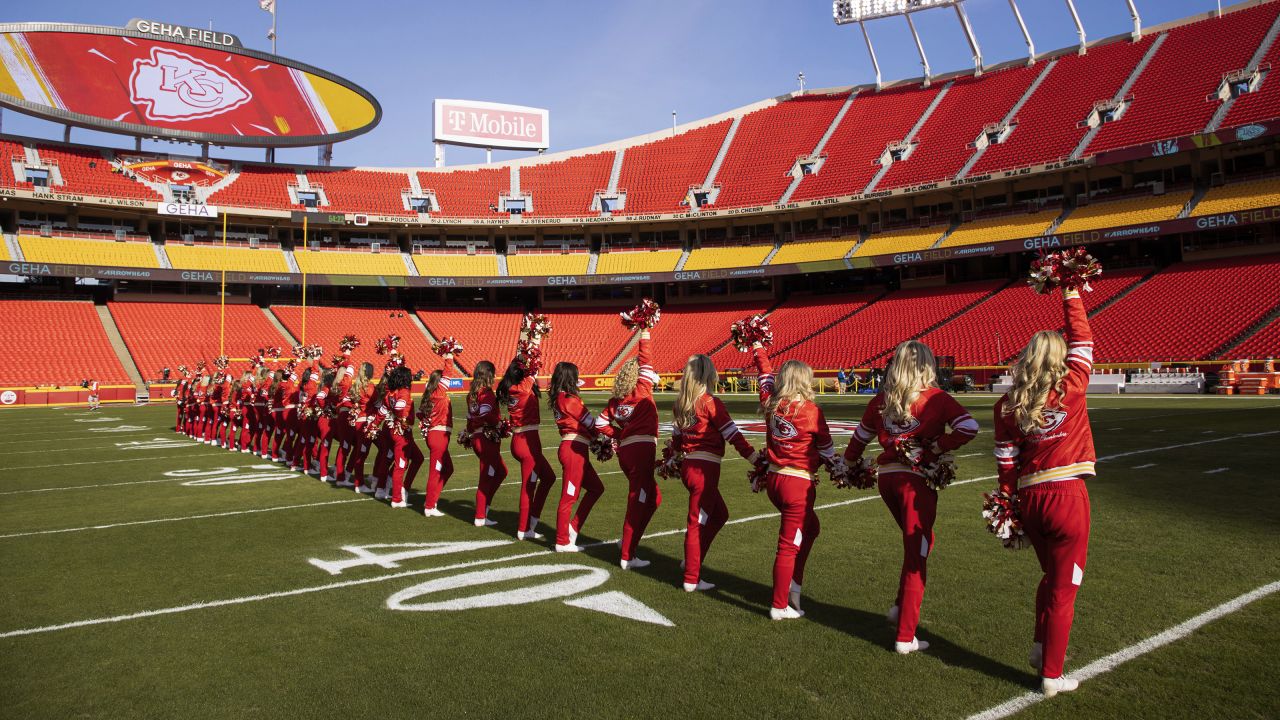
x=851, y=11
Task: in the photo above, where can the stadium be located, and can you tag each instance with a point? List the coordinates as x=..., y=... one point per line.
x=224, y=373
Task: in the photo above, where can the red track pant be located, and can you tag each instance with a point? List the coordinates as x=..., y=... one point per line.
x=383, y=454
x=643, y=496
x=1055, y=517
x=493, y=471
x=407, y=458
x=324, y=438
x=441, y=468
x=344, y=436
x=580, y=480
x=914, y=506
x=359, y=453
x=280, y=424
x=707, y=513
x=793, y=496
x=536, y=476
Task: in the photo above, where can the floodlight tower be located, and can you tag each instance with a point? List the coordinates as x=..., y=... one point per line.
x=845, y=12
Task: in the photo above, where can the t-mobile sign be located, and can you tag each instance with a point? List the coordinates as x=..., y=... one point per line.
x=491, y=125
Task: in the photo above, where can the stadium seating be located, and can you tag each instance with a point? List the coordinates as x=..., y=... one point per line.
x=8, y=151
x=565, y=188
x=767, y=144
x=55, y=343
x=489, y=333
x=688, y=329
x=657, y=176
x=590, y=338
x=1240, y=196
x=89, y=172
x=896, y=241
x=793, y=321
x=350, y=262
x=533, y=263
x=457, y=264
x=1130, y=211
x=326, y=325
x=1188, y=310
x=1263, y=104
x=997, y=329
x=258, y=187
x=467, y=193
x=4, y=251
x=237, y=258
x=78, y=251
x=637, y=261
x=165, y=334
x=814, y=250
x=363, y=191
x=727, y=257
x=1261, y=345
x=1169, y=96
x=874, y=120
x=945, y=143
x=1004, y=227
x=1048, y=125
x=898, y=316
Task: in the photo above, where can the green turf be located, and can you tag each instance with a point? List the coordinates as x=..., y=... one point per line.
x=1169, y=542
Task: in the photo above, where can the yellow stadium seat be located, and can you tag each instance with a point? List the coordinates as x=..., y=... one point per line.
x=350, y=263
x=998, y=229
x=1240, y=196
x=457, y=264
x=4, y=251
x=548, y=264
x=896, y=241
x=1132, y=211
x=613, y=263
x=814, y=250
x=239, y=259
x=727, y=257
x=74, y=251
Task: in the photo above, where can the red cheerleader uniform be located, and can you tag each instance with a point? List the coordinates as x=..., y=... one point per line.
x=1047, y=468
x=406, y=457
x=536, y=476
x=576, y=427
x=913, y=504
x=439, y=421
x=364, y=411
x=633, y=422
x=703, y=445
x=481, y=412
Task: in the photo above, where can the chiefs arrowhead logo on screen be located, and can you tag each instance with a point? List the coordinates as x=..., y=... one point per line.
x=171, y=85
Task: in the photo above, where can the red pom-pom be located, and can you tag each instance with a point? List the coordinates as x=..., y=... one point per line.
x=672, y=460
x=271, y=353
x=535, y=326
x=221, y=362
x=748, y=331
x=447, y=346
x=388, y=344
x=862, y=475
x=1000, y=511
x=938, y=468
x=603, y=447
x=348, y=343
x=1069, y=269
x=758, y=473
x=337, y=360
x=643, y=316
x=529, y=357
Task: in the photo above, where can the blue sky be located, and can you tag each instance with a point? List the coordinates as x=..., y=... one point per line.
x=606, y=70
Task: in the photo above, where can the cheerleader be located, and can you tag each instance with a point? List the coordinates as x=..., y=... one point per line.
x=366, y=405
x=179, y=394
x=92, y=385
x=281, y=397
x=702, y=427
x=260, y=442
x=482, y=414
x=435, y=419
x=519, y=393
x=349, y=387
x=305, y=422
x=1044, y=452
x=289, y=412
x=631, y=419
x=910, y=411
x=576, y=427
x=337, y=418
x=248, y=411
x=396, y=415
x=799, y=441
x=322, y=425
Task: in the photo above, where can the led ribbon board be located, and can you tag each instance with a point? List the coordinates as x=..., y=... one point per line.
x=166, y=81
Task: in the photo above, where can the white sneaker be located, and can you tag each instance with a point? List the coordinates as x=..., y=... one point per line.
x=325, y=479
x=570, y=548
x=380, y=494
x=485, y=522
x=573, y=536
x=363, y=489
x=1053, y=686
x=401, y=504
x=244, y=450
x=786, y=613
x=892, y=615
x=700, y=585
x=529, y=535
x=432, y=512
x=634, y=564
x=906, y=648
x=1035, y=657
x=294, y=468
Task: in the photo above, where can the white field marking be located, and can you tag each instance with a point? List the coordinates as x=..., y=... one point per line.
x=1114, y=429
x=1191, y=444
x=1116, y=659
x=362, y=555
x=102, y=462
x=100, y=419
x=1215, y=471
x=970, y=455
x=581, y=579
x=457, y=566
x=1144, y=467
x=64, y=437
x=182, y=518
x=156, y=444
x=1207, y=432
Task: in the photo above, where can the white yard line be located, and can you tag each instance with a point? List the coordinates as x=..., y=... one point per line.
x=1120, y=657
x=181, y=518
x=103, y=462
x=1191, y=444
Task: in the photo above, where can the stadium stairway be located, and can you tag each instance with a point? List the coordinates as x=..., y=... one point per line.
x=822, y=144
x=15, y=250
x=915, y=130
x=714, y=170
x=1008, y=118
x=1261, y=53
x=820, y=330
x=432, y=339
x=121, y=350
x=1121, y=93
x=623, y=354
x=275, y=322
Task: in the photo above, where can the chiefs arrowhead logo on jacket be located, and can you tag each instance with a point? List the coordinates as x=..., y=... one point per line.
x=782, y=428
x=172, y=85
x=1052, y=419
x=622, y=412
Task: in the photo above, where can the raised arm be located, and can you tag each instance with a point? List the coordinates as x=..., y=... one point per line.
x=1079, y=339
x=648, y=379
x=765, y=370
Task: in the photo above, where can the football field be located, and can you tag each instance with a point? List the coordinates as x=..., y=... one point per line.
x=145, y=575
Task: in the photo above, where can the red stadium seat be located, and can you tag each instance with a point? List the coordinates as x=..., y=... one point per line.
x=163, y=334
x=55, y=343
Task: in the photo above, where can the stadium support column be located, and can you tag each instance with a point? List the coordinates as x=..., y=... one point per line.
x=1026, y=35
x=439, y=154
x=871, y=50
x=1079, y=26
x=924, y=59
x=973, y=41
